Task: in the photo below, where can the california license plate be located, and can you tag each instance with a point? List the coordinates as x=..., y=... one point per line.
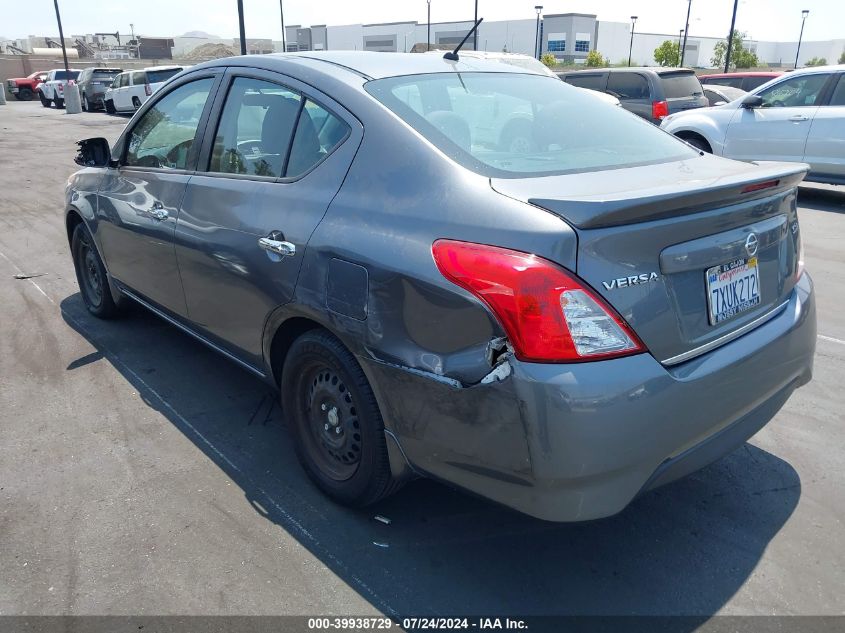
x=732, y=288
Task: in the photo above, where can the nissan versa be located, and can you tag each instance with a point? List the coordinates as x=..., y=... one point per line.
x=456, y=269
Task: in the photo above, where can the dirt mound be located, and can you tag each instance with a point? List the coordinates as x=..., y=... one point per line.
x=211, y=51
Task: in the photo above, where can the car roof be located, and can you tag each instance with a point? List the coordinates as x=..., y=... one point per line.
x=659, y=70
x=756, y=73
x=373, y=65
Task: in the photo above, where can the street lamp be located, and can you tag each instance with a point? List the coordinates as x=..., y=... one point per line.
x=475, y=33
x=680, y=53
x=282, y=14
x=241, y=26
x=686, y=30
x=428, y=35
x=538, y=9
x=804, y=14
x=631, y=45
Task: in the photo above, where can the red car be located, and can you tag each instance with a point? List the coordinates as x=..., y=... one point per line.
x=744, y=81
x=24, y=88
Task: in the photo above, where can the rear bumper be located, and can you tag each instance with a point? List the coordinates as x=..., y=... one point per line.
x=578, y=442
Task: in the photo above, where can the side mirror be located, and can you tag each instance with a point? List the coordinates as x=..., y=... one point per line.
x=94, y=152
x=752, y=101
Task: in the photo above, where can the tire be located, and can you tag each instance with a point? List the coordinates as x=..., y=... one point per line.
x=334, y=421
x=91, y=275
x=24, y=94
x=136, y=102
x=85, y=103
x=45, y=102
x=110, y=106
x=60, y=103
x=698, y=143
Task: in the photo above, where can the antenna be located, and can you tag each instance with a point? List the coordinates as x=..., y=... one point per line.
x=453, y=56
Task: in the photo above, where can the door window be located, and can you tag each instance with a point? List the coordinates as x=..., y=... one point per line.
x=628, y=86
x=163, y=137
x=139, y=78
x=794, y=92
x=593, y=82
x=124, y=80
x=318, y=132
x=838, y=97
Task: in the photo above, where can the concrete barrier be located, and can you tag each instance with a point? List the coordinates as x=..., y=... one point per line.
x=73, y=104
x=2, y=95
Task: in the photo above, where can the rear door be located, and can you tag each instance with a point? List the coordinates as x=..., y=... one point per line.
x=778, y=130
x=272, y=164
x=633, y=92
x=121, y=95
x=825, y=150
x=682, y=91
x=138, y=202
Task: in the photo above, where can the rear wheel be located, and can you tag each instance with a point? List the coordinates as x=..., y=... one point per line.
x=136, y=102
x=110, y=106
x=84, y=103
x=91, y=275
x=334, y=421
x=24, y=94
x=60, y=103
x=44, y=101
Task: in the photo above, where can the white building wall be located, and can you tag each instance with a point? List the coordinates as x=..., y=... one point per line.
x=348, y=37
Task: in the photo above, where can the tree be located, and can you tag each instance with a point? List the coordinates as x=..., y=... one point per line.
x=842, y=58
x=667, y=54
x=817, y=61
x=549, y=60
x=741, y=57
x=595, y=60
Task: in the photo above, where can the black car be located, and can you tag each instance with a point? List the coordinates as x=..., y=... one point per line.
x=93, y=83
x=652, y=93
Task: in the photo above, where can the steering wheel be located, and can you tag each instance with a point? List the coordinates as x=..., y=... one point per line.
x=173, y=155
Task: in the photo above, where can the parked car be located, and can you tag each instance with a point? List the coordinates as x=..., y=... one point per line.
x=93, y=83
x=743, y=80
x=800, y=116
x=52, y=89
x=131, y=88
x=719, y=95
x=652, y=93
x=24, y=88
x=557, y=327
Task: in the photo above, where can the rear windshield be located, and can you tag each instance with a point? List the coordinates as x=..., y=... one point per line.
x=677, y=85
x=67, y=74
x=104, y=74
x=157, y=76
x=511, y=126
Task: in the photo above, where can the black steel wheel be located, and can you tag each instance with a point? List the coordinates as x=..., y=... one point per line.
x=110, y=106
x=44, y=101
x=91, y=275
x=334, y=420
x=84, y=103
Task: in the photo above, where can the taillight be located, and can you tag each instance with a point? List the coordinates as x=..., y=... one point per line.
x=147, y=90
x=799, y=265
x=61, y=88
x=659, y=110
x=548, y=314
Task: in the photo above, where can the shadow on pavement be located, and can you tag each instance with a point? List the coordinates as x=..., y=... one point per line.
x=682, y=549
x=818, y=199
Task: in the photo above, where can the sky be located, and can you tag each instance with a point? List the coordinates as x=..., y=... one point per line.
x=771, y=20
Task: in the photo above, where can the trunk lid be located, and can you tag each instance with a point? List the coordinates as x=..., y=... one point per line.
x=683, y=90
x=647, y=241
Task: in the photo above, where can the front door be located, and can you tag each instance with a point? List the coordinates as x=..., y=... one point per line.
x=138, y=202
x=778, y=129
x=825, y=149
x=275, y=161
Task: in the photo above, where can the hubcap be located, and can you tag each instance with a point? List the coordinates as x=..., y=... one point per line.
x=91, y=279
x=334, y=433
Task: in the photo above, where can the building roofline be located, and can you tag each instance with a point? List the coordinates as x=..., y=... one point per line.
x=392, y=23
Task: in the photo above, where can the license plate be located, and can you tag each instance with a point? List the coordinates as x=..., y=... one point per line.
x=732, y=288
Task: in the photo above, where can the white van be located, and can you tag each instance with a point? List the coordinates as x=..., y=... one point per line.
x=132, y=88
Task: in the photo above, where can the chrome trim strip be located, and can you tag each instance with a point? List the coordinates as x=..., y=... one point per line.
x=188, y=330
x=727, y=338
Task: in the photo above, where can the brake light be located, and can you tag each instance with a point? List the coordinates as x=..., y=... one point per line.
x=548, y=314
x=659, y=110
x=61, y=88
x=799, y=265
x=757, y=186
x=147, y=90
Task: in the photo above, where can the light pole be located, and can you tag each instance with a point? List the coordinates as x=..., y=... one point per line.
x=680, y=52
x=428, y=33
x=538, y=9
x=241, y=26
x=61, y=34
x=804, y=15
x=137, y=51
x=282, y=13
x=731, y=37
x=475, y=33
x=685, y=31
x=631, y=45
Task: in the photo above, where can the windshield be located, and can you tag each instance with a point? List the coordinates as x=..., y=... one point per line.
x=157, y=76
x=512, y=125
x=676, y=85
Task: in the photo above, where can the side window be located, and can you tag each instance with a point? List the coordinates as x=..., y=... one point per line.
x=124, y=80
x=838, y=97
x=794, y=92
x=628, y=86
x=318, y=132
x=593, y=82
x=163, y=137
x=255, y=129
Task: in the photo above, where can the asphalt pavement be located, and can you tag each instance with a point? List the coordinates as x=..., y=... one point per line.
x=141, y=473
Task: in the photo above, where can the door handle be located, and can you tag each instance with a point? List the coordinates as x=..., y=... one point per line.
x=278, y=247
x=158, y=212
x=799, y=117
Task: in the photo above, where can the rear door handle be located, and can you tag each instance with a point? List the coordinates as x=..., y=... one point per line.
x=799, y=117
x=278, y=247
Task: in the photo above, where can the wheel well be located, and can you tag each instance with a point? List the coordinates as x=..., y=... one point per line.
x=73, y=219
x=687, y=135
x=284, y=337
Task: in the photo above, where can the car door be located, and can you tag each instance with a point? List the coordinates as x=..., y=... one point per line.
x=778, y=129
x=120, y=102
x=825, y=150
x=138, y=201
x=274, y=160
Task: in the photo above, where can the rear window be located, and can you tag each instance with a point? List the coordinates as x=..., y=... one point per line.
x=509, y=125
x=104, y=75
x=157, y=76
x=676, y=85
x=67, y=74
x=592, y=82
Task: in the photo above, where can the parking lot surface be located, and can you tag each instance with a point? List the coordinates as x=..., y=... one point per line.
x=141, y=473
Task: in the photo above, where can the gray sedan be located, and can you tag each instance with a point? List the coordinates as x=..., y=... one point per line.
x=455, y=269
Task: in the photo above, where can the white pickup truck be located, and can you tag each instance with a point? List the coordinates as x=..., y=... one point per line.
x=52, y=91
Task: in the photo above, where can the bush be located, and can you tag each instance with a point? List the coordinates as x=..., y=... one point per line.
x=740, y=56
x=817, y=61
x=842, y=58
x=549, y=60
x=595, y=60
x=667, y=54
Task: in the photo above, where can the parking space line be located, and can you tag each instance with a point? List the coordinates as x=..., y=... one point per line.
x=831, y=339
x=20, y=272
